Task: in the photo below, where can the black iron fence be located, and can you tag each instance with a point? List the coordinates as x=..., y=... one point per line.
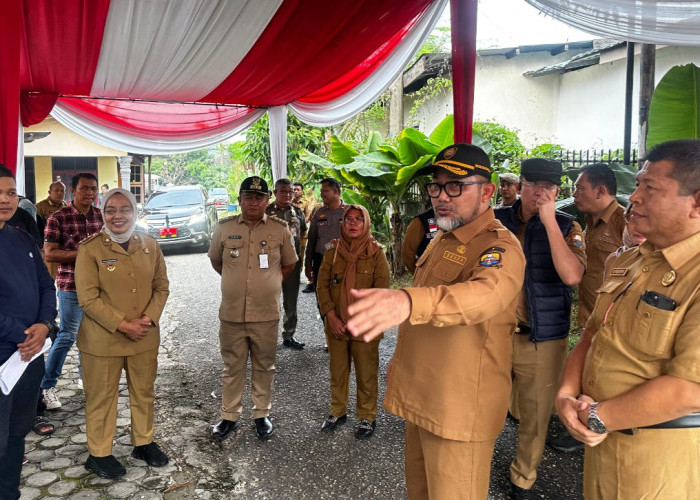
x=574, y=158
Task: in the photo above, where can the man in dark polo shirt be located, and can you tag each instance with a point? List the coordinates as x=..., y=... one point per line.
x=64, y=230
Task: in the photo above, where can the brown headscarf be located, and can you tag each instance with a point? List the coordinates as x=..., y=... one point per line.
x=352, y=249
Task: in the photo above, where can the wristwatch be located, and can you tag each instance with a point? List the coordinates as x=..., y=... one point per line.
x=594, y=422
x=51, y=325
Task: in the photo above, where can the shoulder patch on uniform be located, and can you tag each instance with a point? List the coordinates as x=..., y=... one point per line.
x=278, y=220
x=89, y=238
x=491, y=258
x=578, y=240
x=228, y=219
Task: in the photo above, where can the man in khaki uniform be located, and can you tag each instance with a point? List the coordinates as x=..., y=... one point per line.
x=594, y=195
x=306, y=206
x=450, y=374
x=254, y=253
x=45, y=208
x=631, y=384
x=282, y=208
x=553, y=246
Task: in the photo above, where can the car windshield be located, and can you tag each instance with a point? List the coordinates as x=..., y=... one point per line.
x=174, y=199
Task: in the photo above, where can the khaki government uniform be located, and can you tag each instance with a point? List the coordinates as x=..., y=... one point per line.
x=306, y=207
x=296, y=222
x=45, y=208
x=450, y=374
x=370, y=273
x=250, y=303
x=603, y=236
x=114, y=284
x=537, y=371
x=635, y=344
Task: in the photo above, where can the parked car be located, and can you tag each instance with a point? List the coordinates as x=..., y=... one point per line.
x=220, y=197
x=181, y=215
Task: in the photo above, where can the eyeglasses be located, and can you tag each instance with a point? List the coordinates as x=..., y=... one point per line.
x=354, y=220
x=123, y=211
x=452, y=189
x=547, y=186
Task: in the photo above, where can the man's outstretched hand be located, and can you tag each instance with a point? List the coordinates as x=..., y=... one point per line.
x=375, y=310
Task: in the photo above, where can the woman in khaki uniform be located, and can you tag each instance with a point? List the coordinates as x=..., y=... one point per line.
x=356, y=261
x=122, y=286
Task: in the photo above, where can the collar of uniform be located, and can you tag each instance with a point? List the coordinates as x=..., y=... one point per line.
x=678, y=254
x=241, y=220
x=466, y=232
x=277, y=207
x=62, y=204
x=604, y=216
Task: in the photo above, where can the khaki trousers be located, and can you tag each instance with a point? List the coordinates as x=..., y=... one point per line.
x=537, y=370
x=237, y=340
x=652, y=464
x=438, y=468
x=101, y=385
x=290, y=295
x=365, y=356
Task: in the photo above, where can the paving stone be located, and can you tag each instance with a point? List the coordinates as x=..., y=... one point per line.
x=41, y=479
x=155, y=483
x=121, y=450
x=40, y=455
x=70, y=450
x=62, y=488
x=65, y=394
x=123, y=422
x=33, y=437
x=65, y=431
x=79, y=438
x=28, y=470
x=74, y=421
x=146, y=495
x=52, y=443
x=74, y=407
x=98, y=481
x=121, y=490
x=162, y=471
x=85, y=495
x=56, y=463
x=133, y=474
x=28, y=493
x=76, y=472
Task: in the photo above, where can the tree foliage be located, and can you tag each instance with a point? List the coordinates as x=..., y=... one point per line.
x=504, y=141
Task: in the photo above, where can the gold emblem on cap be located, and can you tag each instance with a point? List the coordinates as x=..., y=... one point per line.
x=449, y=153
x=668, y=278
x=255, y=183
x=461, y=249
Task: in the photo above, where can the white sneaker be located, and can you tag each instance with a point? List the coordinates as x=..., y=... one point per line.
x=51, y=399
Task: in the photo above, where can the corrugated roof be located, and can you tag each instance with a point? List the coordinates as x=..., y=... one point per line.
x=582, y=60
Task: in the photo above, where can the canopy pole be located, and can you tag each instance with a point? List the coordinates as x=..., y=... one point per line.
x=463, y=20
x=629, y=84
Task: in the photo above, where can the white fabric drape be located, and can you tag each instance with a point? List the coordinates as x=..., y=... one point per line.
x=155, y=48
x=339, y=110
x=122, y=140
x=278, y=141
x=19, y=173
x=657, y=22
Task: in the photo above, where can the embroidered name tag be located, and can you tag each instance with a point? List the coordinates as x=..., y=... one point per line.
x=453, y=257
x=235, y=237
x=107, y=261
x=619, y=271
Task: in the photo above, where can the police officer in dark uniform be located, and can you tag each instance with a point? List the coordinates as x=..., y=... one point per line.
x=419, y=232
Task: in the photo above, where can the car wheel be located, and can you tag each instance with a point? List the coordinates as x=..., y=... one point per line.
x=206, y=241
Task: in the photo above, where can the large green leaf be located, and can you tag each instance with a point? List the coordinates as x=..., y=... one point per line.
x=626, y=177
x=413, y=144
x=379, y=158
x=406, y=173
x=341, y=152
x=373, y=141
x=444, y=133
x=479, y=140
x=316, y=160
x=354, y=198
x=675, y=106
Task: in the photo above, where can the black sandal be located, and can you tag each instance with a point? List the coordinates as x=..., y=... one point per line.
x=41, y=423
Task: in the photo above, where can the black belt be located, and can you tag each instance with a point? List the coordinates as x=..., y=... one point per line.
x=684, y=422
x=522, y=329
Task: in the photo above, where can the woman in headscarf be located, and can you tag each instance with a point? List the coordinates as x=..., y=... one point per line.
x=356, y=261
x=122, y=286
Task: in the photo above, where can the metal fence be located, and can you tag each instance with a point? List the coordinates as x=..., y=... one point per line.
x=573, y=158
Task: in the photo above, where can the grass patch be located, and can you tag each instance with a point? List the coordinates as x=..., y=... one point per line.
x=403, y=281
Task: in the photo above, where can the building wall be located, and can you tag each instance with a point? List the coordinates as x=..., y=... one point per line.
x=108, y=171
x=42, y=176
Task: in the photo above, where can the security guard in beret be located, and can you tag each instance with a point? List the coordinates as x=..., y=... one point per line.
x=253, y=253
x=283, y=208
x=553, y=245
x=631, y=387
x=450, y=374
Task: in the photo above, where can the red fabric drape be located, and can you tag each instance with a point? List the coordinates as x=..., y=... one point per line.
x=324, y=43
x=10, y=24
x=34, y=107
x=463, y=66
x=61, y=45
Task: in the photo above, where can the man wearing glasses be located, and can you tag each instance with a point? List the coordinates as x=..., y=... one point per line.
x=553, y=245
x=63, y=232
x=450, y=374
x=283, y=208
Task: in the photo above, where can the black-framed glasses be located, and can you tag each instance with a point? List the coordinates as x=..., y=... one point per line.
x=452, y=188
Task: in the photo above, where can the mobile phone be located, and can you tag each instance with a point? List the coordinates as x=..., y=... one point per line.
x=655, y=299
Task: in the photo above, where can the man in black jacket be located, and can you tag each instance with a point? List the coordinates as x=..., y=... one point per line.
x=554, y=251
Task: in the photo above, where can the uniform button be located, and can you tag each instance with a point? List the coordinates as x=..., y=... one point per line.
x=646, y=315
x=133, y=290
x=645, y=269
x=131, y=274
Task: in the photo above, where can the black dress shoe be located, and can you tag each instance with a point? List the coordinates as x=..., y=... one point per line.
x=263, y=427
x=151, y=453
x=106, y=467
x=518, y=493
x=293, y=343
x=332, y=422
x=365, y=429
x=308, y=289
x=223, y=428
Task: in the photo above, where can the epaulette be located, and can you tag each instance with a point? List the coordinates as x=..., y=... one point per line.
x=228, y=219
x=502, y=232
x=277, y=219
x=89, y=238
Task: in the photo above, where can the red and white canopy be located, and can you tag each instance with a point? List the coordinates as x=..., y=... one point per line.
x=162, y=76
